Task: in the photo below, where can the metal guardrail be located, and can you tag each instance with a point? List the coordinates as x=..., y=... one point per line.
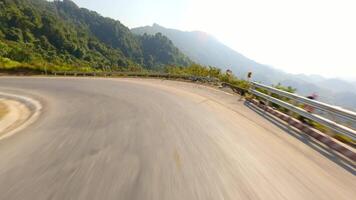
x=346, y=114
x=339, y=128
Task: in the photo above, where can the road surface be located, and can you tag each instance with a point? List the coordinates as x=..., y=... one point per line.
x=153, y=139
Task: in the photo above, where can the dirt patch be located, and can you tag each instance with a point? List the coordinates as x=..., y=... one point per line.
x=17, y=114
x=3, y=109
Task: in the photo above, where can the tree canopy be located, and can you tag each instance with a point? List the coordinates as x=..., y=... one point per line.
x=61, y=33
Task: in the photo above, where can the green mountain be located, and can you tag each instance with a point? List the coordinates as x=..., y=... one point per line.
x=59, y=33
x=205, y=49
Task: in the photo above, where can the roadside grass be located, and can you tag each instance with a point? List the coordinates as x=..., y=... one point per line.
x=3, y=110
x=39, y=67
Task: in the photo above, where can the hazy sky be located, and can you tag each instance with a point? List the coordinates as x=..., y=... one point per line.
x=298, y=36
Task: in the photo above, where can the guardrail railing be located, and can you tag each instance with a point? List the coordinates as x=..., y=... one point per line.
x=348, y=116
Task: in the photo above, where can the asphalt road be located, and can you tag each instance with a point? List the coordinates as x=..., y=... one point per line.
x=152, y=139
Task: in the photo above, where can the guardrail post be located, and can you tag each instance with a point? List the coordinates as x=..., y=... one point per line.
x=268, y=103
x=293, y=102
x=252, y=88
x=290, y=113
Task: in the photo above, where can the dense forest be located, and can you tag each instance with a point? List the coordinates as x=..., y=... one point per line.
x=60, y=35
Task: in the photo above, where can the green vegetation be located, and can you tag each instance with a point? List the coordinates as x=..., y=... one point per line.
x=345, y=139
x=286, y=89
x=58, y=35
x=211, y=72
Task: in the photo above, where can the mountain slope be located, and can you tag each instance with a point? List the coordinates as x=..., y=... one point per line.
x=206, y=50
x=61, y=33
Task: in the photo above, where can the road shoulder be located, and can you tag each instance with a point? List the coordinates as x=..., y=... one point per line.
x=16, y=113
x=3, y=109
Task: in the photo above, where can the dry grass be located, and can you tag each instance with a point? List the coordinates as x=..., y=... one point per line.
x=3, y=110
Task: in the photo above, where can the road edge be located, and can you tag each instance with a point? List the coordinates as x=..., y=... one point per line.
x=31, y=104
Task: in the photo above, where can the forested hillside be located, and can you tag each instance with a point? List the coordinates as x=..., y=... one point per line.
x=61, y=35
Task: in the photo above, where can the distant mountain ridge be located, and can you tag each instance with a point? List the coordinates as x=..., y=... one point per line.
x=206, y=50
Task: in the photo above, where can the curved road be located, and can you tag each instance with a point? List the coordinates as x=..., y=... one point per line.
x=152, y=139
